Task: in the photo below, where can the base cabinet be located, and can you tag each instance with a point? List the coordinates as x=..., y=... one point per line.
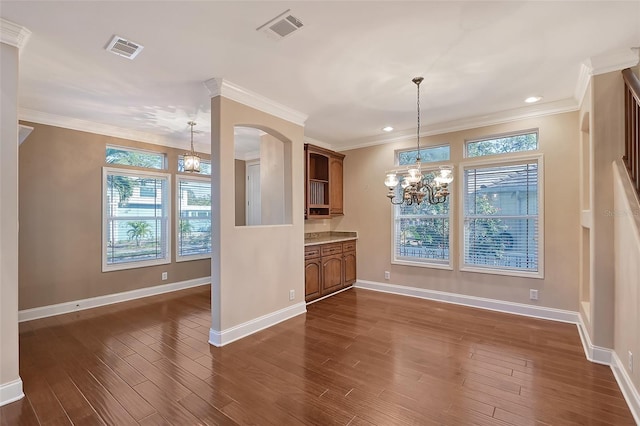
x=312, y=278
x=329, y=268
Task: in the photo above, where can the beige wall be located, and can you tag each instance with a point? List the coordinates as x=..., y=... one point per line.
x=626, y=217
x=369, y=213
x=9, y=222
x=61, y=221
x=320, y=225
x=257, y=266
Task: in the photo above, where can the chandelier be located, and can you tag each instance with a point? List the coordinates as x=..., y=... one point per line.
x=191, y=160
x=417, y=187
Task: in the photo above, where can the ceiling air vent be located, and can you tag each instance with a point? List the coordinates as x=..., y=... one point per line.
x=281, y=26
x=124, y=47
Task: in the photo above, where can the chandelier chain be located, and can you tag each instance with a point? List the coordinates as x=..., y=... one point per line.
x=418, y=159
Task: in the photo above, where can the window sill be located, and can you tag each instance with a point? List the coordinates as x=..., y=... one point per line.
x=507, y=272
x=194, y=257
x=445, y=266
x=133, y=265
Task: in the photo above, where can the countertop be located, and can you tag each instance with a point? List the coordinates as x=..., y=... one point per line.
x=313, y=238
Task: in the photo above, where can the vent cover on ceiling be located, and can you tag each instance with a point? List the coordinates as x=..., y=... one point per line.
x=124, y=47
x=281, y=26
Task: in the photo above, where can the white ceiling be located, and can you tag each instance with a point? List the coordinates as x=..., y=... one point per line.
x=349, y=68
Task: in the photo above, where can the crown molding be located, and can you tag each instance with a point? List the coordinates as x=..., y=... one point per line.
x=316, y=142
x=582, y=84
x=23, y=133
x=25, y=114
x=523, y=113
x=13, y=34
x=614, y=60
x=224, y=88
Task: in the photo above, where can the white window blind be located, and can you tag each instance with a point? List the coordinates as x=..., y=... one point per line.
x=194, y=218
x=501, y=217
x=136, y=219
x=421, y=232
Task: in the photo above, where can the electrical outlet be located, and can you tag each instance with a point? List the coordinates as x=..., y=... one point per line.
x=164, y=276
x=533, y=294
x=630, y=362
x=292, y=294
x=387, y=275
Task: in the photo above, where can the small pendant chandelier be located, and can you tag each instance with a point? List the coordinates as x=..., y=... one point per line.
x=191, y=160
x=415, y=186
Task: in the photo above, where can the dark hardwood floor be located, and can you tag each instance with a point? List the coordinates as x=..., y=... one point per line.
x=357, y=358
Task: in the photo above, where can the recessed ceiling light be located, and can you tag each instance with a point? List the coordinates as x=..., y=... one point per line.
x=533, y=99
x=387, y=128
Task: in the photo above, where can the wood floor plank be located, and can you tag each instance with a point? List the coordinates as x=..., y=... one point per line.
x=356, y=358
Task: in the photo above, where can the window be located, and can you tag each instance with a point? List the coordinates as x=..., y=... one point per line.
x=193, y=225
x=205, y=166
x=421, y=232
x=135, y=221
x=135, y=157
x=527, y=141
x=427, y=155
x=502, y=217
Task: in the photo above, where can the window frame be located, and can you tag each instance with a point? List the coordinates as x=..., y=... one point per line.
x=197, y=178
x=495, y=161
x=141, y=174
x=502, y=136
x=426, y=168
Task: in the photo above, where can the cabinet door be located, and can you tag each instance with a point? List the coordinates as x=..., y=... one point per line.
x=336, y=201
x=349, y=268
x=331, y=273
x=312, y=279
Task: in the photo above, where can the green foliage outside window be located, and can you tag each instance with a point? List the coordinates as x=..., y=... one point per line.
x=516, y=143
x=138, y=230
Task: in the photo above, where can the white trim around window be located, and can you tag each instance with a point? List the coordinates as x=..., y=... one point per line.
x=136, y=204
x=200, y=215
x=480, y=162
x=419, y=261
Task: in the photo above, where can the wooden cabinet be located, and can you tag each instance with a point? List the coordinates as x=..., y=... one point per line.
x=331, y=273
x=323, y=183
x=336, y=202
x=349, y=262
x=329, y=268
x=312, y=278
x=312, y=272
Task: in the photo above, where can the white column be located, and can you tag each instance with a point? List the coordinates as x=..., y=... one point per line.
x=12, y=38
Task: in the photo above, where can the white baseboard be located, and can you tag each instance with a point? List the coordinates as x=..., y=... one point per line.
x=476, y=302
x=11, y=392
x=224, y=337
x=108, y=299
x=627, y=388
x=594, y=353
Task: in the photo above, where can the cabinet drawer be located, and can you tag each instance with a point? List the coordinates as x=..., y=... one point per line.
x=329, y=249
x=311, y=252
x=349, y=246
